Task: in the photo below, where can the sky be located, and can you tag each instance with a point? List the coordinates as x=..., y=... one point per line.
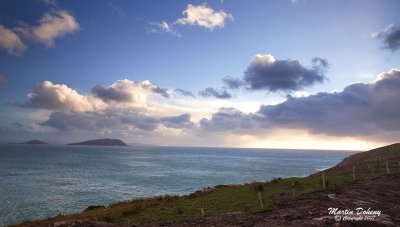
x=274, y=74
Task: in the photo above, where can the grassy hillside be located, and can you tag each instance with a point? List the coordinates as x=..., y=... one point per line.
x=368, y=161
x=237, y=198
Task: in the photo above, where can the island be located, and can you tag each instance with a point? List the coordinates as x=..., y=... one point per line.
x=101, y=142
x=36, y=142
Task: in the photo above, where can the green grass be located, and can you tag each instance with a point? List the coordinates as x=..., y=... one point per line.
x=224, y=199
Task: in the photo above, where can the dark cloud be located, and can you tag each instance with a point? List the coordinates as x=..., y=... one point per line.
x=161, y=91
x=128, y=91
x=17, y=125
x=184, y=92
x=179, y=122
x=112, y=120
x=232, y=83
x=140, y=122
x=390, y=37
x=267, y=73
x=65, y=121
x=228, y=119
x=360, y=109
x=208, y=92
x=111, y=94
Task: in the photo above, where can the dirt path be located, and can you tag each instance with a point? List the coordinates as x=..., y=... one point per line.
x=378, y=194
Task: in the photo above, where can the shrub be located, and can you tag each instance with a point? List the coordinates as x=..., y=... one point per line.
x=275, y=180
x=94, y=207
x=257, y=187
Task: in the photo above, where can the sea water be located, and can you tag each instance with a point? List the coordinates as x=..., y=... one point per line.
x=39, y=181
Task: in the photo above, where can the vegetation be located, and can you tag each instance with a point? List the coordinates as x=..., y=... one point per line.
x=237, y=198
x=101, y=142
x=35, y=142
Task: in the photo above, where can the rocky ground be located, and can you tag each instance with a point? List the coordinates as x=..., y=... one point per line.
x=376, y=193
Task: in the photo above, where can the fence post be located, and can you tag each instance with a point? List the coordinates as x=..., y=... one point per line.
x=354, y=172
x=377, y=162
x=293, y=189
x=260, y=199
x=323, y=180
x=202, y=210
x=372, y=170
x=387, y=168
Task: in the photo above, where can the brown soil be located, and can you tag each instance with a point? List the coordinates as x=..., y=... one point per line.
x=377, y=193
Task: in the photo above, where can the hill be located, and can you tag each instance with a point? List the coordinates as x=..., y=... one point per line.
x=101, y=142
x=369, y=161
x=34, y=142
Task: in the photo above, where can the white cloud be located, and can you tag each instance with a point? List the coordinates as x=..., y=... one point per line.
x=204, y=16
x=163, y=27
x=384, y=31
x=10, y=41
x=59, y=97
x=116, y=9
x=52, y=25
x=299, y=94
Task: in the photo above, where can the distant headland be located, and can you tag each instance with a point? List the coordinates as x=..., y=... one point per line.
x=34, y=142
x=101, y=142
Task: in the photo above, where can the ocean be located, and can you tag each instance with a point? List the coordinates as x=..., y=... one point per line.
x=38, y=181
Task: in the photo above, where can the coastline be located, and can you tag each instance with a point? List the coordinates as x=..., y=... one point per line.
x=221, y=199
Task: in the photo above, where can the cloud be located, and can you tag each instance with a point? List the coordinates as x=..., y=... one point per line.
x=184, y=92
x=51, y=3
x=228, y=120
x=10, y=41
x=57, y=97
x=267, y=73
x=157, y=27
x=271, y=75
x=122, y=93
x=116, y=9
x=204, y=16
x=128, y=91
x=101, y=121
x=232, y=83
x=52, y=25
x=114, y=120
x=211, y=92
x=390, y=37
x=2, y=80
x=179, y=122
x=359, y=110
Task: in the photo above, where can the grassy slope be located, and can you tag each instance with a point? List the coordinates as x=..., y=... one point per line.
x=236, y=198
x=374, y=159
